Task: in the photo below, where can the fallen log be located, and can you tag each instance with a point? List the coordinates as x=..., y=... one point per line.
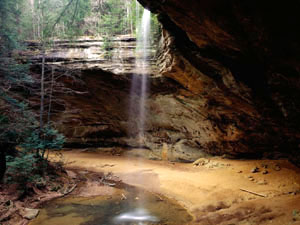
x=254, y=193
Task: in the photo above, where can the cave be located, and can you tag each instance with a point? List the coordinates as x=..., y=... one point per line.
x=190, y=108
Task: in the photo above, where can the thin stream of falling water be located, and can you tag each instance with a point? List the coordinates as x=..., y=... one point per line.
x=134, y=83
x=139, y=84
x=137, y=111
x=145, y=27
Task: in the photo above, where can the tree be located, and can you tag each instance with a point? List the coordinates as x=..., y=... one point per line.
x=18, y=124
x=12, y=75
x=42, y=19
x=112, y=20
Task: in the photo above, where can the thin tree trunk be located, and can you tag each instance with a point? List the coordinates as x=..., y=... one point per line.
x=131, y=22
x=42, y=21
x=33, y=30
x=33, y=20
x=62, y=14
x=137, y=9
x=128, y=16
x=2, y=164
x=51, y=93
x=18, y=21
x=39, y=21
x=42, y=99
x=63, y=29
x=50, y=106
x=42, y=93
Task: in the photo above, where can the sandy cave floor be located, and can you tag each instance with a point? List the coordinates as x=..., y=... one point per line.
x=214, y=191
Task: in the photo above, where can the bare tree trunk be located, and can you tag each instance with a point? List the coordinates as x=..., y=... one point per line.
x=137, y=8
x=18, y=21
x=63, y=28
x=51, y=93
x=101, y=3
x=42, y=93
x=131, y=20
x=42, y=99
x=2, y=163
x=42, y=20
x=33, y=19
x=128, y=15
x=39, y=21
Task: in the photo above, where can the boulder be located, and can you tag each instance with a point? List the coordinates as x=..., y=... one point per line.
x=29, y=214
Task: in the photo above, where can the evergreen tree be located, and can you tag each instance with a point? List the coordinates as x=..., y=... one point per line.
x=18, y=124
x=11, y=75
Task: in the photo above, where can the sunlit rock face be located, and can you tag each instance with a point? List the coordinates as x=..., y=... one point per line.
x=237, y=63
x=116, y=55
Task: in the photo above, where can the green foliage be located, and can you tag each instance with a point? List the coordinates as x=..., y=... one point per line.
x=9, y=24
x=13, y=75
x=30, y=163
x=46, y=19
x=137, y=13
x=112, y=19
x=107, y=47
x=296, y=215
x=21, y=168
x=41, y=140
x=72, y=18
x=18, y=124
x=16, y=120
x=155, y=29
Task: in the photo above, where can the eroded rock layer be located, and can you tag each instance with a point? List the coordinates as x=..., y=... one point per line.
x=238, y=62
x=116, y=55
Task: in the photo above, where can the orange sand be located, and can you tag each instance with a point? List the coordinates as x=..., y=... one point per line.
x=211, y=192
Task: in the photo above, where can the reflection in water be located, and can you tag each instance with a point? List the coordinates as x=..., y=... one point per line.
x=113, y=210
x=139, y=215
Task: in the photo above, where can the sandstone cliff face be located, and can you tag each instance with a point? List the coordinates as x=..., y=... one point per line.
x=227, y=82
x=116, y=55
x=96, y=113
x=238, y=63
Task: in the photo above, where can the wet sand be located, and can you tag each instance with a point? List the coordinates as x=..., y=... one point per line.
x=216, y=191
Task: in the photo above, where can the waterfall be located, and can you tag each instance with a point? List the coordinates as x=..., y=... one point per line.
x=139, y=85
x=145, y=33
x=137, y=114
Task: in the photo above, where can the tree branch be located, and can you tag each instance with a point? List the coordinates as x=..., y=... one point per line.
x=62, y=14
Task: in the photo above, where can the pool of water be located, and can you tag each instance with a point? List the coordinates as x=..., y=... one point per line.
x=126, y=207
